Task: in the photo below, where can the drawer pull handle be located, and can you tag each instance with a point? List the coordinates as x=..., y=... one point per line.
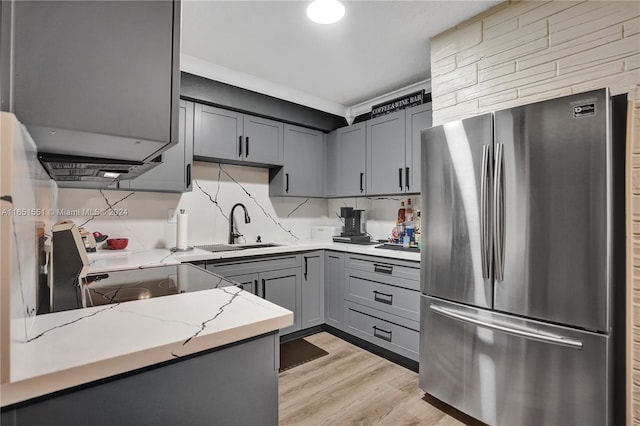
x=385, y=269
x=386, y=336
x=380, y=297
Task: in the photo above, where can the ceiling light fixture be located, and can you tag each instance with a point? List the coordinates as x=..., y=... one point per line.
x=325, y=11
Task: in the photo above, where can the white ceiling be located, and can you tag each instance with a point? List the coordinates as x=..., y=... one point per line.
x=273, y=48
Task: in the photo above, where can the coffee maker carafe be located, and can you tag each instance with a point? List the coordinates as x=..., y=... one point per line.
x=353, y=231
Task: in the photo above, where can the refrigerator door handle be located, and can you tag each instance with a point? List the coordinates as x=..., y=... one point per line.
x=520, y=332
x=484, y=209
x=498, y=212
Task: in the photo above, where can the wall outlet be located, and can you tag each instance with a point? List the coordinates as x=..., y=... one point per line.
x=171, y=216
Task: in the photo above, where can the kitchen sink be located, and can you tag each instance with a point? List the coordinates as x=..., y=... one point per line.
x=214, y=248
x=259, y=245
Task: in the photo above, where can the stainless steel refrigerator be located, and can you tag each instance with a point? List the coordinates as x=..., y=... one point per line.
x=521, y=261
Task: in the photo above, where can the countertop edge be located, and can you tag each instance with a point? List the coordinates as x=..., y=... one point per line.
x=16, y=392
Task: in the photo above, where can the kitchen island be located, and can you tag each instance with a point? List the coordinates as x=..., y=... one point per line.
x=187, y=358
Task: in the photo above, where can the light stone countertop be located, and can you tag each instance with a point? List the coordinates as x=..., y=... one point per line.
x=69, y=348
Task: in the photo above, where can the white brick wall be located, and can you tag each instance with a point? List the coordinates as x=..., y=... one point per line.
x=525, y=51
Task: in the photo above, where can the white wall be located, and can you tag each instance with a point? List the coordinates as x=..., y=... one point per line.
x=526, y=51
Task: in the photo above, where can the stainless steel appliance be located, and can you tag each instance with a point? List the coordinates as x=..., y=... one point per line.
x=523, y=262
x=353, y=227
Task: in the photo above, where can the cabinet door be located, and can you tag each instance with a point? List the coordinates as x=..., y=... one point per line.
x=174, y=174
x=263, y=141
x=331, y=161
x=386, y=154
x=417, y=118
x=246, y=281
x=312, y=289
x=111, y=70
x=351, y=156
x=283, y=288
x=334, y=288
x=217, y=133
x=303, y=171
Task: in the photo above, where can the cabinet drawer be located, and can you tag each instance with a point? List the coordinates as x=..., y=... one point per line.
x=397, y=334
x=248, y=265
x=388, y=298
x=385, y=267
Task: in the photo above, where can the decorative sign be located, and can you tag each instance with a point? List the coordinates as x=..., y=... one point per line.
x=406, y=101
x=584, y=110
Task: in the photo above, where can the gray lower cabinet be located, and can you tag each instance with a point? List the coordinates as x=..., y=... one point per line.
x=347, y=152
x=303, y=172
x=248, y=282
x=334, y=288
x=277, y=279
x=97, y=78
x=282, y=287
x=208, y=388
x=226, y=136
x=382, y=302
x=313, y=289
x=174, y=174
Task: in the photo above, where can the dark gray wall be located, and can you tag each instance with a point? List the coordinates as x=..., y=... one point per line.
x=6, y=29
x=203, y=90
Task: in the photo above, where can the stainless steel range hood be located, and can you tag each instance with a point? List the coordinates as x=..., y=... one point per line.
x=71, y=168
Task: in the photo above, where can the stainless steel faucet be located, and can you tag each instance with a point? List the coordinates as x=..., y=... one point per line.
x=232, y=234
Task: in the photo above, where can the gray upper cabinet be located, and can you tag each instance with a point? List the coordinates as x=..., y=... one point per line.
x=417, y=118
x=393, y=151
x=98, y=78
x=303, y=172
x=174, y=174
x=345, y=158
x=312, y=289
x=386, y=154
x=231, y=137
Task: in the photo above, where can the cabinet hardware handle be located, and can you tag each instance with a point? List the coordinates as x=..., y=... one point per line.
x=286, y=189
x=188, y=182
x=255, y=287
x=385, y=269
x=361, y=182
x=239, y=146
x=380, y=336
x=406, y=174
x=306, y=267
x=377, y=298
x=264, y=289
x=246, y=153
x=400, y=177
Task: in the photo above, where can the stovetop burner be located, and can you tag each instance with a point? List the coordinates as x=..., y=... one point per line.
x=138, y=284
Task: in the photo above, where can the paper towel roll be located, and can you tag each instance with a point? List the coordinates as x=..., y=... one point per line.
x=182, y=230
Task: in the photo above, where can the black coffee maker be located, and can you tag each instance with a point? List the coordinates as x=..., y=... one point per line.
x=353, y=229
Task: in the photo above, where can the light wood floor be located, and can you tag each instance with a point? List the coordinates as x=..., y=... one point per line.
x=352, y=386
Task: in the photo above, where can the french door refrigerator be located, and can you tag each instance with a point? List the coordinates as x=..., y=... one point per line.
x=519, y=262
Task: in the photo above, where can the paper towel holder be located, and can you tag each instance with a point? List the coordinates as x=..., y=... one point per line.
x=176, y=249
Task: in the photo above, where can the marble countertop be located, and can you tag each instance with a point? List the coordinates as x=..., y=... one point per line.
x=103, y=262
x=70, y=348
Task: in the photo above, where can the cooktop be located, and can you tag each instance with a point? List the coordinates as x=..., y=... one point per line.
x=137, y=284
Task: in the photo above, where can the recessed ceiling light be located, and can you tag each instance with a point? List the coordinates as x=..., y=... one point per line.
x=325, y=11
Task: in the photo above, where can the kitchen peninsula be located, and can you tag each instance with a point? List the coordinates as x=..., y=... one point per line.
x=149, y=361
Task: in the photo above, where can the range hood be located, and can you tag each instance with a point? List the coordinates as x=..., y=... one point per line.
x=72, y=168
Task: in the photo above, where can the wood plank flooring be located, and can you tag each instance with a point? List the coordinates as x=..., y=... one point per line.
x=351, y=386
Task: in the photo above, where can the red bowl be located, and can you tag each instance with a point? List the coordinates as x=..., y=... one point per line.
x=117, y=243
